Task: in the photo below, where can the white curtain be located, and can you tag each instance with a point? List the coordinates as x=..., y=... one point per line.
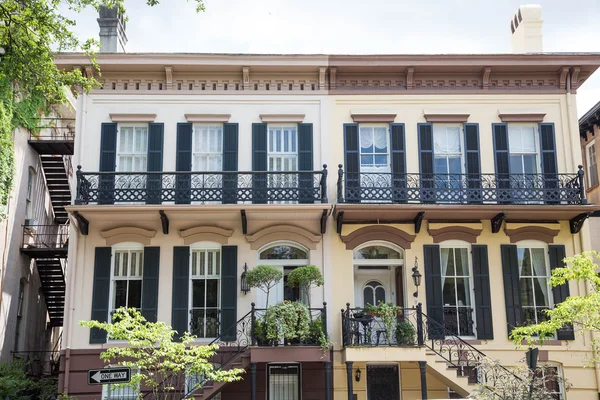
x=538, y=260
x=380, y=139
x=445, y=256
x=366, y=138
x=521, y=139
x=446, y=140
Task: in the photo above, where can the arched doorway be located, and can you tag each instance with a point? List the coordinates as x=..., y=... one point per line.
x=378, y=274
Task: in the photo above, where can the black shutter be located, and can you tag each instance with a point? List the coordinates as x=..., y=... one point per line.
x=100, y=292
x=108, y=162
x=549, y=165
x=426, y=163
x=183, y=163
x=512, y=286
x=155, y=162
x=481, y=285
x=229, y=292
x=181, y=278
x=306, y=193
x=433, y=289
x=472, y=163
x=230, y=162
x=352, y=164
x=150, y=283
x=259, y=163
x=398, y=146
x=501, y=157
x=560, y=293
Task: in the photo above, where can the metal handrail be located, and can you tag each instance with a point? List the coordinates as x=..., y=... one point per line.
x=483, y=188
x=59, y=133
x=45, y=236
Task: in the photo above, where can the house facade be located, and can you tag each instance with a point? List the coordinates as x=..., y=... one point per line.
x=448, y=186
x=589, y=127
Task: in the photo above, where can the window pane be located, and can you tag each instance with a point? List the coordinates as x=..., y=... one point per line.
x=125, y=259
x=202, y=263
x=368, y=296
x=541, y=291
x=379, y=295
x=529, y=315
x=134, y=298
x=516, y=164
x=528, y=139
x=117, y=263
x=120, y=294
x=462, y=262
x=463, y=291
x=294, y=141
x=198, y=293
x=218, y=259
x=366, y=140
x=210, y=257
x=381, y=160
x=524, y=262
x=212, y=292
x=440, y=165
x=538, y=260
x=380, y=140
x=376, y=252
x=212, y=323
x=449, y=267
x=514, y=139
x=194, y=263
x=527, y=292
x=454, y=165
x=283, y=253
x=133, y=264
x=449, y=292
x=530, y=164
x=366, y=160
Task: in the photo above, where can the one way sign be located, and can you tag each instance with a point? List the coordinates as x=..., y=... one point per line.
x=109, y=375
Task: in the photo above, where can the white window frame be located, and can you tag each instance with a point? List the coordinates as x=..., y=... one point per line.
x=461, y=154
x=589, y=164
x=459, y=244
x=273, y=154
x=118, y=393
x=298, y=381
x=386, y=294
x=381, y=261
x=31, y=175
x=134, y=154
x=375, y=167
x=197, y=248
x=129, y=247
x=534, y=244
x=536, y=138
x=206, y=152
x=559, y=373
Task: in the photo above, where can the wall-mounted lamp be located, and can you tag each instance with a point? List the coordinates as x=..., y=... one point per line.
x=243, y=285
x=416, y=276
x=357, y=375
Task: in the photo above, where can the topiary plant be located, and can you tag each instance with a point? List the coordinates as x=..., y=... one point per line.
x=305, y=278
x=264, y=277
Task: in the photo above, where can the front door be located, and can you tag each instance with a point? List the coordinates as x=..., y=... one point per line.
x=383, y=382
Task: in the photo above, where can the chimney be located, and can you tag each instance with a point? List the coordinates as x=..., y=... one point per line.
x=112, y=30
x=526, y=28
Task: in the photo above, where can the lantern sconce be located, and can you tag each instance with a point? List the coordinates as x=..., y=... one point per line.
x=243, y=285
x=416, y=276
x=357, y=375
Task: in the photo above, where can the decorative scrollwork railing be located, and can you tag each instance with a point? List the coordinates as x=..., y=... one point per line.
x=461, y=188
x=223, y=187
x=360, y=328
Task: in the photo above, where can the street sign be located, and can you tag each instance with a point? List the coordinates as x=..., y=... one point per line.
x=109, y=375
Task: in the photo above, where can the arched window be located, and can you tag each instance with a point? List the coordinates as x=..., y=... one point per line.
x=377, y=252
x=283, y=252
x=374, y=293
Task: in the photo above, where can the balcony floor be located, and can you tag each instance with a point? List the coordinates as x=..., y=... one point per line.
x=53, y=147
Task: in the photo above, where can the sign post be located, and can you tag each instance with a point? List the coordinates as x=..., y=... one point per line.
x=109, y=375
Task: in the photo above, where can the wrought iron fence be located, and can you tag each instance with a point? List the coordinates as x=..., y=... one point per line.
x=459, y=320
x=39, y=363
x=461, y=188
x=223, y=187
x=361, y=328
x=205, y=322
x=54, y=129
x=45, y=236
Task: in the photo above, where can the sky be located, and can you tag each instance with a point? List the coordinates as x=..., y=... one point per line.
x=354, y=27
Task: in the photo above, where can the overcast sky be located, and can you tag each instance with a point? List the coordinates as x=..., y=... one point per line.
x=354, y=27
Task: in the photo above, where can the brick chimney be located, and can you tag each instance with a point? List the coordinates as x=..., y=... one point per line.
x=112, y=30
x=526, y=28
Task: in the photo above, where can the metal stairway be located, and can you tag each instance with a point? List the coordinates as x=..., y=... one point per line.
x=52, y=278
x=57, y=180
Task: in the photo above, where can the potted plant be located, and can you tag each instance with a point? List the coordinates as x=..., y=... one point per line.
x=264, y=277
x=305, y=278
x=287, y=321
x=405, y=334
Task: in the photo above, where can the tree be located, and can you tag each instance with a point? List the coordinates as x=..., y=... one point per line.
x=578, y=311
x=15, y=384
x=305, y=278
x=30, y=33
x=161, y=362
x=515, y=383
x=264, y=277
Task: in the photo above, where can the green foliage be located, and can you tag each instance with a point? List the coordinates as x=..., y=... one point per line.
x=521, y=384
x=579, y=311
x=264, y=277
x=287, y=320
x=16, y=385
x=162, y=362
x=7, y=162
x=405, y=333
x=388, y=313
x=304, y=278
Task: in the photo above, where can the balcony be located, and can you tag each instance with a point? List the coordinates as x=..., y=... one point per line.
x=45, y=241
x=55, y=136
x=223, y=187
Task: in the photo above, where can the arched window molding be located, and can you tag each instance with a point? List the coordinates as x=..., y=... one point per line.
x=205, y=234
x=289, y=233
x=462, y=233
x=378, y=233
x=128, y=234
x=378, y=261
x=531, y=232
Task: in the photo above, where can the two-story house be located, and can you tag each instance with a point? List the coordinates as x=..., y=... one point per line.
x=452, y=190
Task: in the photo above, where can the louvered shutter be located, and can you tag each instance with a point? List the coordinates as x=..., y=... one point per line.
x=472, y=163
x=230, y=162
x=481, y=286
x=560, y=293
x=259, y=163
x=426, y=163
x=183, y=163
x=512, y=286
x=502, y=157
x=150, y=283
x=155, y=162
x=229, y=292
x=108, y=162
x=352, y=164
x=398, y=161
x=549, y=165
x=100, y=292
x=180, y=294
x=434, y=293
x=306, y=193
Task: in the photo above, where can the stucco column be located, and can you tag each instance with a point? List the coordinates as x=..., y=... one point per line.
x=423, y=369
x=327, y=380
x=253, y=380
x=349, y=377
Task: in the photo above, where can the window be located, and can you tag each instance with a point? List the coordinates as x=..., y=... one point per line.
x=374, y=148
x=207, y=148
x=283, y=252
x=284, y=382
x=456, y=290
x=448, y=151
x=523, y=147
x=283, y=148
x=592, y=166
x=126, y=278
x=552, y=379
x=534, y=277
x=111, y=392
x=29, y=197
x=132, y=150
x=205, y=290
x=374, y=293
x=376, y=253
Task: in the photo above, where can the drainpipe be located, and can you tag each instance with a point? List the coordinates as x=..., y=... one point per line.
x=349, y=377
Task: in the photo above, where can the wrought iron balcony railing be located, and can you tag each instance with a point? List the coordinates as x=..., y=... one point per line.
x=361, y=328
x=461, y=188
x=222, y=187
x=45, y=240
